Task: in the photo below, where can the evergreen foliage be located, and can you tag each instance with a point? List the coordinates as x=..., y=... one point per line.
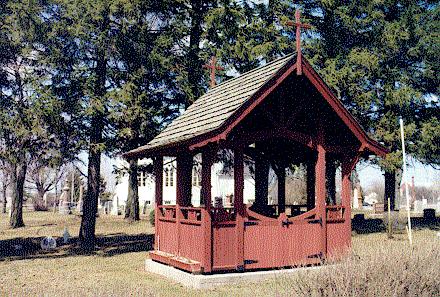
x=107, y=76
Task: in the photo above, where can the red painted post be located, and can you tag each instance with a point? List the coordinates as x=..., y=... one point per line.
x=239, y=207
x=346, y=199
x=158, y=173
x=320, y=195
x=205, y=192
x=207, y=160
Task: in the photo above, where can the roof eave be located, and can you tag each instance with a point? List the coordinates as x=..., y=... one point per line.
x=173, y=147
x=376, y=148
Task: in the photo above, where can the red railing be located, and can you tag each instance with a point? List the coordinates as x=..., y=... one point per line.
x=180, y=230
x=335, y=213
x=212, y=236
x=221, y=214
x=191, y=215
x=167, y=213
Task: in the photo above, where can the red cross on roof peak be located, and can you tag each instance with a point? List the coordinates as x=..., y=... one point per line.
x=212, y=66
x=298, y=26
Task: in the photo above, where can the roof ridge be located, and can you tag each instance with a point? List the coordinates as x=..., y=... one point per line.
x=251, y=71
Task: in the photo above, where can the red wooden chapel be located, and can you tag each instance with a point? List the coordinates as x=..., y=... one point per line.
x=277, y=115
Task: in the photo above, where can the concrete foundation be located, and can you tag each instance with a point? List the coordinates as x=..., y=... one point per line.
x=209, y=281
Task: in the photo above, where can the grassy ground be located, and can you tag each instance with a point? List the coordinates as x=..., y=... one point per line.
x=116, y=269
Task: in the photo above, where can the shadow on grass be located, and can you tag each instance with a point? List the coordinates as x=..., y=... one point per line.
x=120, y=243
x=106, y=246
x=365, y=226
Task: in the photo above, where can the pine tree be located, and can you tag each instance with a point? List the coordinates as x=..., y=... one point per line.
x=82, y=56
x=379, y=59
x=145, y=99
x=28, y=113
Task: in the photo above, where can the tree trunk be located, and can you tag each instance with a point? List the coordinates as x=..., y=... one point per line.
x=132, y=207
x=390, y=190
x=4, y=193
x=18, y=178
x=90, y=204
x=5, y=203
x=310, y=167
x=129, y=201
x=330, y=180
x=261, y=179
x=281, y=174
x=194, y=64
x=397, y=182
x=39, y=202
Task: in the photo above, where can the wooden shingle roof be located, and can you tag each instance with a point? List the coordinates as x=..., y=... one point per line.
x=213, y=115
x=211, y=110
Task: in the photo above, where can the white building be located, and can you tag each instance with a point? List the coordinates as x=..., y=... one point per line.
x=222, y=186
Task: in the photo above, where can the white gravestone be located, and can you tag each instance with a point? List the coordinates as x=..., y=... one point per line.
x=64, y=199
x=48, y=243
x=356, y=198
x=418, y=206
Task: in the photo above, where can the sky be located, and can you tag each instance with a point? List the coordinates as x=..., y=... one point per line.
x=423, y=175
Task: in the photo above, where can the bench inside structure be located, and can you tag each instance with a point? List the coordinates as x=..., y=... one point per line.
x=274, y=118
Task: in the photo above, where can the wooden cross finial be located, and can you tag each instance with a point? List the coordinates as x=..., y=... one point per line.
x=298, y=26
x=212, y=68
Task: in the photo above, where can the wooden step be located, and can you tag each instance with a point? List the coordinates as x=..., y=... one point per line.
x=176, y=261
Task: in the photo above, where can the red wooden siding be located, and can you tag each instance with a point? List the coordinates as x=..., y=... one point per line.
x=167, y=237
x=281, y=242
x=224, y=245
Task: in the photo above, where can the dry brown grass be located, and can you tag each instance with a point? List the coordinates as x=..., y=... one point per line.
x=378, y=267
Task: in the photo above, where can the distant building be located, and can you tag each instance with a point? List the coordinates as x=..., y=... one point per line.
x=222, y=186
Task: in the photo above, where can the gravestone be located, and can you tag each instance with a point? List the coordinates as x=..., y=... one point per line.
x=356, y=195
x=418, y=206
x=218, y=202
x=429, y=215
x=63, y=207
x=79, y=206
x=229, y=200
x=379, y=208
x=358, y=218
x=115, y=205
x=66, y=236
x=144, y=208
x=48, y=243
